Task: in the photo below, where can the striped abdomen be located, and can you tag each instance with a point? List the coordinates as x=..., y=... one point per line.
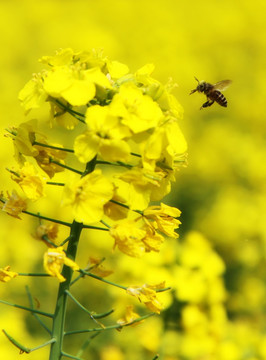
x=217, y=96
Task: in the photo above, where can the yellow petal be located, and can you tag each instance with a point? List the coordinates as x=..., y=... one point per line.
x=57, y=81
x=96, y=76
x=79, y=93
x=117, y=69
x=114, y=150
x=86, y=146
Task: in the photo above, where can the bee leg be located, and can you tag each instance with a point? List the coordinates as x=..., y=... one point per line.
x=207, y=103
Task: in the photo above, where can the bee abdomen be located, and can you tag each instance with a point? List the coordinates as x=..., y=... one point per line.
x=219, y=98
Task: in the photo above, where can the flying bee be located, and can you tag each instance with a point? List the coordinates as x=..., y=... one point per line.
x=212, y=92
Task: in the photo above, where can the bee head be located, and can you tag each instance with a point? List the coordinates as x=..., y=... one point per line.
x=200, y=87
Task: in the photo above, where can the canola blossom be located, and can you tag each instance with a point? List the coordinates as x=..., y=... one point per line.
x=53, y=261
x=6, y=274
x=130, y=121
x=122, y=149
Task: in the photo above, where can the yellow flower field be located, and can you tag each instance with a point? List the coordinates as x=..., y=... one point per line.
x=211, y=256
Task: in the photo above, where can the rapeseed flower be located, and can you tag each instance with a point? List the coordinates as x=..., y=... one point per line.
x=30, y=181
x=128, y=237
x=129, y=317
x=54, y=259
x=87, y=196
x=146, y=294
x=14, y=205
x=142, y=186
x=164, y=219
x=44, y=232
x=137, y=111
x=104, y=136
x=6, y=275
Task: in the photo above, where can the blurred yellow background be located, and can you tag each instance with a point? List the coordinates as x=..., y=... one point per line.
x=222, y=192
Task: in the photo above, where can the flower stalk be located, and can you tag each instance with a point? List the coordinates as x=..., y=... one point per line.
x=61, y=303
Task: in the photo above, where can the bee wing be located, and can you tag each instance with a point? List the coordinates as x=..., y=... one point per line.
x=222, y=85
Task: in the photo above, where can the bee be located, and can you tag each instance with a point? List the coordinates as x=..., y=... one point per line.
x=212, y=92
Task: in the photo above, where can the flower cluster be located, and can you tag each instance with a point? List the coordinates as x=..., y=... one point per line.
x=122, y=129
x=130, y=120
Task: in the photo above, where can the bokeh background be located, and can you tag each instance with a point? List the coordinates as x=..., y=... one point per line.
x=216, y=310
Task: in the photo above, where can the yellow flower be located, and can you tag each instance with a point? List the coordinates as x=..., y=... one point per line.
x=14, y=205
x=117, y=69
x=128, y=237
x=46, y=154
x=142, y=183
x=164, y=217
x=74, y=84
x=87, y=196
x=54, y=259
x=33, y=95
x=164, y=146
x=105, y=136
x=151, y=86
x=30, y=182
x=129, y=317
x=147, y=295
x=64, y=82
x=137, y=111
x=49, y=231
x=152, y=239
x=116, y=211
x=25, y=137
x=164, y=186
x=134, y=238
x=61, y=58
x=169, y=103
x=62, y=118
x=6, y=274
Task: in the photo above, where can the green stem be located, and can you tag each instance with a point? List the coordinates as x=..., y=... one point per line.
x=33, y=274
x=52, y=147
x=134, y=154
x=70, y=356
x=26, y=308
x=91, y=315
x=65, y=166
x=48, y=241
x=24, y=349
x=94, y=227
x=51, y=341
x=102, y=279
x=84, y=272
x=60, y=310
x=55, y=183
x=45, y=217
x=79, y=116
x=118, y=163
x=88, y=268
x=126, y=206
x=116, y=326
